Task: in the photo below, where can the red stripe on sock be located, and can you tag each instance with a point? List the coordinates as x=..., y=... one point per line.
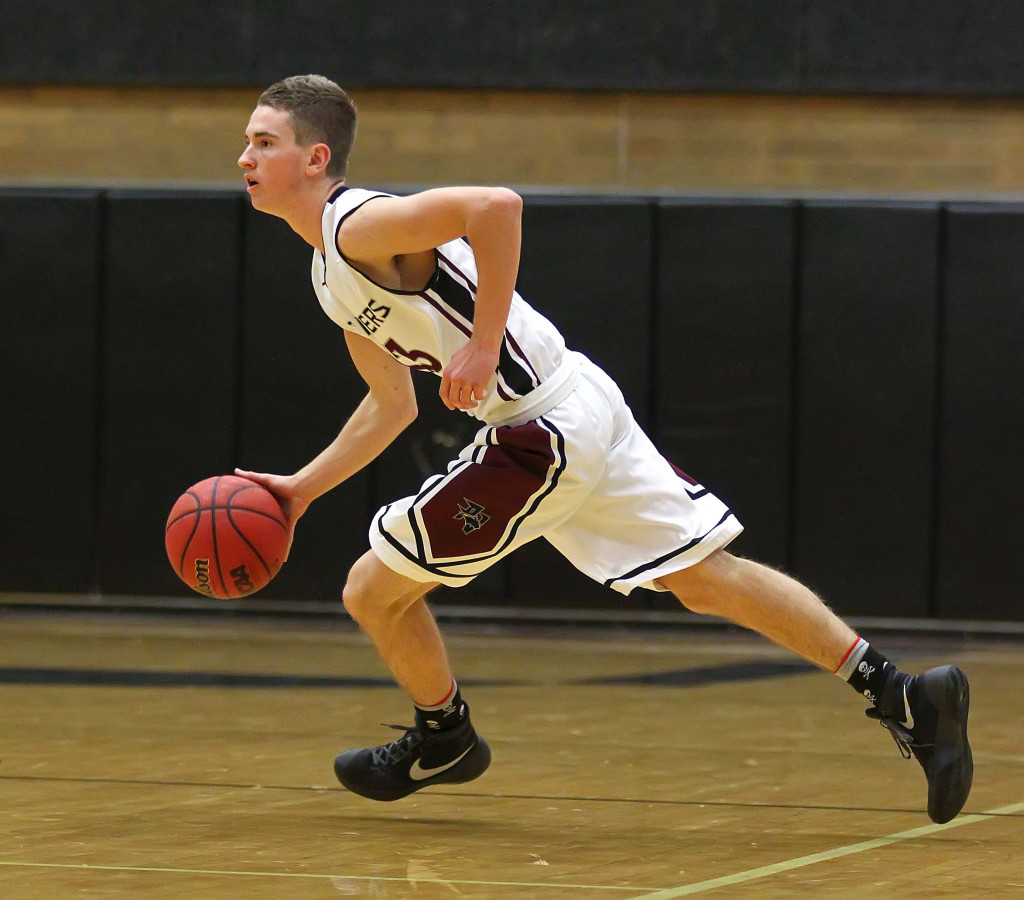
x=845, y=657
x=447, y=697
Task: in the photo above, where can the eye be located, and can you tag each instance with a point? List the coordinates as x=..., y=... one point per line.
x=264, y=143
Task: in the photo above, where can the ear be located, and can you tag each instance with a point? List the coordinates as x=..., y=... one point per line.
x=319, y=157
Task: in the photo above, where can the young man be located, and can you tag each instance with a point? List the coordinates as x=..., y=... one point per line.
x=428, y=282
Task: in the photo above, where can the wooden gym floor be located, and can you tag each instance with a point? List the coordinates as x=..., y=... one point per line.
x=160, y=758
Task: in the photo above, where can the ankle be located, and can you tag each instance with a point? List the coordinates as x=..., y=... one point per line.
x=449, y=713
x=871, y=675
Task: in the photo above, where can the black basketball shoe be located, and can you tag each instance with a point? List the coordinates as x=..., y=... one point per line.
x=416, y=760
x=933, y=727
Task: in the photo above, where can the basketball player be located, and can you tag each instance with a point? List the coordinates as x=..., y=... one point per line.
x=428, y=282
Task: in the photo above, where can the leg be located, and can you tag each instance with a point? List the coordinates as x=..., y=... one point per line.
x=391, y=610
x=442, y=747
x=766, y=601
x=926, y=714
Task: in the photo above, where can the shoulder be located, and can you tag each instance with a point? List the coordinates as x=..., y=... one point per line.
x=345, y=201
x=340, y=205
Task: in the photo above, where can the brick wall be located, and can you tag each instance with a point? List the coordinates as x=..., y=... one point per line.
x=590, y=141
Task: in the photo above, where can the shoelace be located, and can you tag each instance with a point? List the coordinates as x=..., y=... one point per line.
x=903, y=737
x=398, y=750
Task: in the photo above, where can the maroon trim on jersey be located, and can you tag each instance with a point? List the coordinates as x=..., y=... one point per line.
x=456, y=270
x=470, y=515
x=506, y=391
x=512, y=341
x=515, y=346
x=444, y=312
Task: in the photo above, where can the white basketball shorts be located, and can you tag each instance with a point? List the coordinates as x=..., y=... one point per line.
x=583, y=475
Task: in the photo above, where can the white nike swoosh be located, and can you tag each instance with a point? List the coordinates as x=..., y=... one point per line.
x=418, y=773
x=906, y=704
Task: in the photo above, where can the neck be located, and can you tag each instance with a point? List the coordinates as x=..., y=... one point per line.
x=305, y=219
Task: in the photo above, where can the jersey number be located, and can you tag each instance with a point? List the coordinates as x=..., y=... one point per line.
x=414, y=359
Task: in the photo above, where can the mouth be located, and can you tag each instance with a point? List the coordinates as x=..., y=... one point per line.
x=250, y=182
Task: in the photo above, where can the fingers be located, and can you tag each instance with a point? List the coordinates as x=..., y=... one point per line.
x=271, y=482
x=464, y=380
x=258, y=477
x=456, y=395
x=445, y=390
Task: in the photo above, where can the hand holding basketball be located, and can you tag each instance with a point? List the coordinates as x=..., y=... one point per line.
x=227, y=537
x=280, y=486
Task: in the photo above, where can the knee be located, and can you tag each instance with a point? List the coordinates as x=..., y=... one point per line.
x=697, y=600
x=361, y=602
x=374, y=594
x=353, y=600
x=706, y=587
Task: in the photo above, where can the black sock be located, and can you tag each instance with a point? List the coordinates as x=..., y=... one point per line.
x=867, y=671
x=449, y=713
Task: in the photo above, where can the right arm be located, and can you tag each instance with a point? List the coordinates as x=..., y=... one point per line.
x=387, y=409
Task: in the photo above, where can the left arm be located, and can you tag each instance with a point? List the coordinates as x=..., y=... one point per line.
x=491, y=219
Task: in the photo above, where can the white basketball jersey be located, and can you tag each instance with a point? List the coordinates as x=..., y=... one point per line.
x=424, y=329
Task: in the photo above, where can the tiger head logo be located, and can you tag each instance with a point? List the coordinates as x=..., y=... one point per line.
x=472, y=515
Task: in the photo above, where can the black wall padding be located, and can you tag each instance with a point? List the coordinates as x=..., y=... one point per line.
x=299, y=387
x=866, y=405
x=979, y=563
x=915, y=47
x=586, y=265
x=199, y=42
x=715, y=44
x=845, y=375
x=533, y=43
x=49, y=257
x=723, y=351
x=801, y=46
x=169, y=369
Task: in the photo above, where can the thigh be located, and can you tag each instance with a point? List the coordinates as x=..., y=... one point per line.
x=510, y=486
x=643, y=519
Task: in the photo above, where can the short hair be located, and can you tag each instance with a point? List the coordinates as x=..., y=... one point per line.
x=321, y=112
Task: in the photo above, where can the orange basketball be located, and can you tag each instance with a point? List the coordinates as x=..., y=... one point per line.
x=226, y=537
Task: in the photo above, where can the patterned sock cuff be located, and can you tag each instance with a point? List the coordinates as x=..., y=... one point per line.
x=853, y=656
x=447, y=699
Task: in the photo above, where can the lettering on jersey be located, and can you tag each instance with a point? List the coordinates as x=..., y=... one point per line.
x=371, y=318
x=414, y=359
x=473, y=516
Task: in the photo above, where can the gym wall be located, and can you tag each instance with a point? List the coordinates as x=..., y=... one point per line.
x=846, y=375
x=708, y=96
x=967, y=47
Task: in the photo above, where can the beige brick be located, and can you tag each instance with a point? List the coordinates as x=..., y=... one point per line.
x=585, y=140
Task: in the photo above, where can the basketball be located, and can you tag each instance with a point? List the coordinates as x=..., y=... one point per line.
x=226, y=537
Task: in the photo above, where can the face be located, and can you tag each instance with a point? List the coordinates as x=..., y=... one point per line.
x=276, y=167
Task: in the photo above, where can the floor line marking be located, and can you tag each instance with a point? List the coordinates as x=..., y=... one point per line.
x=564, y=798
x=800, y=861
x=320, y=875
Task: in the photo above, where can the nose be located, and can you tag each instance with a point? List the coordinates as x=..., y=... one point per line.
x=245, y=160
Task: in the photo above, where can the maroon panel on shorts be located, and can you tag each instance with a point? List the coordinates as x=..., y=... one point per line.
x=471, y=512
x=689, y=479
